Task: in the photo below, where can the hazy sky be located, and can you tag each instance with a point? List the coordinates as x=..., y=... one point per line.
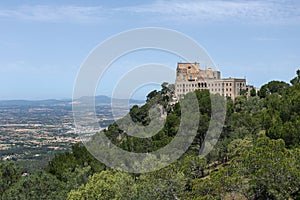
x=43, y=43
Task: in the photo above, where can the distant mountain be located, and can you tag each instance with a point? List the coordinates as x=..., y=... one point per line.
x=101, y=99
x=32, y=102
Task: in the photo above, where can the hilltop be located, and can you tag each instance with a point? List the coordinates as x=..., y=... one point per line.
x=256, y=157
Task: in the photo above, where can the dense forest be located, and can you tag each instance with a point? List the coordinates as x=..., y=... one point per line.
x=256, y=157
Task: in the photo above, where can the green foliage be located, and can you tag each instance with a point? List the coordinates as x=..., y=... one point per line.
x=140, y=114
x=252, y=92
x=9, y=175
x=172, y=124
x=243, y=92
x=296, y=81
x=238, y=147
x=218, y=185
x=266, y=171
x=272, y=87
x=106, y=185
x=204, y=101
x=193, y=166
x=272, y=169
x=281, y=116
x=62, y=164
x=165, y=88
x=151, y=95
x=74, y=168
x=40, y=185
x=167, y=183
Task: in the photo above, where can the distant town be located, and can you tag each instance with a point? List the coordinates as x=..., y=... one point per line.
x=37, y=130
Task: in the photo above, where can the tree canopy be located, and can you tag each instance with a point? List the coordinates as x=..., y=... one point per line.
x=256, y=157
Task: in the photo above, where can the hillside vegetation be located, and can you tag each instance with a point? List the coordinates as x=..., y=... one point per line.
x=256, y=157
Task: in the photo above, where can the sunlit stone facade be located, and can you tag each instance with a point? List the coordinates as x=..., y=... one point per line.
x=189, y=77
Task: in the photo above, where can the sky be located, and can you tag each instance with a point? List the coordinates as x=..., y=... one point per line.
x=44, y=43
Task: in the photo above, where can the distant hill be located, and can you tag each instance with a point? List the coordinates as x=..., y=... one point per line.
x=106, y=100
x=101, y=99
x=33, y=102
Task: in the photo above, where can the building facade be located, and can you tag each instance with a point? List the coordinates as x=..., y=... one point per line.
x=189, y=77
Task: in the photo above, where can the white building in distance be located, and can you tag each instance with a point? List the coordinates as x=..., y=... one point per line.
x=189, y=77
